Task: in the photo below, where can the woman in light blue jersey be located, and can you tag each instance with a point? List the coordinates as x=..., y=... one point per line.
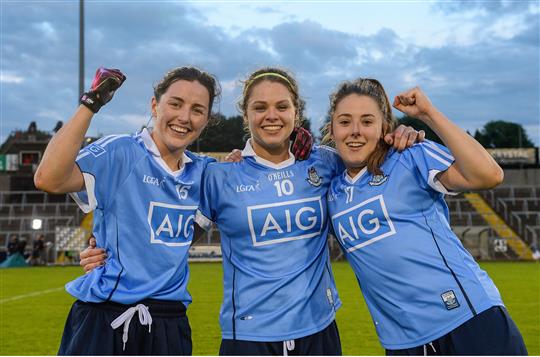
x=143, y=190
x=425, y=292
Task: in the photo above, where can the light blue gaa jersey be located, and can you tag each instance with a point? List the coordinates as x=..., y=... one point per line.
x=143, y=217
x=417, y=279
x=278, y=283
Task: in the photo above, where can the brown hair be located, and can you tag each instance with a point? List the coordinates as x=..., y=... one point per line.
x=373, y=89
x=190, y=74
x=272, y=74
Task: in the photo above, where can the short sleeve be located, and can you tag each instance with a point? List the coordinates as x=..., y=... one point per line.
x=205, y=214
x=209, y=160
x=428, y=159
x=104, y=165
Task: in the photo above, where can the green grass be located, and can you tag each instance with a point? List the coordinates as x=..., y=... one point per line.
x=33, y=325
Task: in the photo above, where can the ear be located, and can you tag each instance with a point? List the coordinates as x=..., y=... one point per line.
x=153, y=107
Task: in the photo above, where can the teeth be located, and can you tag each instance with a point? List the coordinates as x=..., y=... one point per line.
x=179, y=129
x=272, y=127
x=355, y=145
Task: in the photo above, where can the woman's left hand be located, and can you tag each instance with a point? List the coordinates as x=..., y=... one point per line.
x=414, y=103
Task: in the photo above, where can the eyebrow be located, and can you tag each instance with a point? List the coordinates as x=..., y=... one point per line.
x=283, y=101
x=182, y=100
x=350, y=115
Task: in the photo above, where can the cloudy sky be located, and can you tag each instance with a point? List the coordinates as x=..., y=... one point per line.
x=477, y=60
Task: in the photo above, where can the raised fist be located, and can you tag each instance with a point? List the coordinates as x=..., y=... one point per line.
x=414, y=103
x=106, y=82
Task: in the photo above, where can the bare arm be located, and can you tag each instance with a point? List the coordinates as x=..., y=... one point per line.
x=57, y=171
x=474, y=168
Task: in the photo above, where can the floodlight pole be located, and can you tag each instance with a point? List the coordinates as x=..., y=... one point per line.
x=81, y=49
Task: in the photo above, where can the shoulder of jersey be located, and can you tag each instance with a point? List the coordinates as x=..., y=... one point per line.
x=325, y=148
x=337, y=184
x=113, y=142
x=408, y=155
x=218, y=171
x=336, y=180
x=196, y=157
x=224, y=166
x=323, y=152
x=417, y=147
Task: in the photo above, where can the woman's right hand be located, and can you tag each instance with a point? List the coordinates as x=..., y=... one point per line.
x=234, y=156
x=92, y=257
x=106, y=82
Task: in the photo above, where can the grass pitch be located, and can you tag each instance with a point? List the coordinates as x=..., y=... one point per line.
x=34, y=306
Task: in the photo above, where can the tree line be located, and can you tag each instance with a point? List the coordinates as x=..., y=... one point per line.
x=224, y=134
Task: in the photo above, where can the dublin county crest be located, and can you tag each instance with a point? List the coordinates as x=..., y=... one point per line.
x=378, y=180
x=313, y=177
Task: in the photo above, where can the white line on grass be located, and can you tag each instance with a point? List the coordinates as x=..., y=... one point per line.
x=37, y=293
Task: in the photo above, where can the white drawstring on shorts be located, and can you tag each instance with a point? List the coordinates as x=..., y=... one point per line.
x=432, y=347
x=288, y=346
x=144, y=318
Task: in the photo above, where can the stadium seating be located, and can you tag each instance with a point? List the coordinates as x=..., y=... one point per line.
x=513, y=204
x=462, y=213
x=532, y=233
x=518, y=206
x=18, y=210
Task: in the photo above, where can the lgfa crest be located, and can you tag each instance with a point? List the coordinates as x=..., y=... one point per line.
x=378, y=180
x=313, y=177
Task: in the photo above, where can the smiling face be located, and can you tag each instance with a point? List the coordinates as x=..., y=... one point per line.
x=270, y=114
x=181, y=114
x=357, y=128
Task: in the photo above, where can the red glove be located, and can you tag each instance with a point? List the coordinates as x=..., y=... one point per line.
x=106, y=82
x=302, y=142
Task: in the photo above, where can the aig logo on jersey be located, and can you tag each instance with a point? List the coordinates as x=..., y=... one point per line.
x=171, y=225
x=285, y=221
x=363, y=224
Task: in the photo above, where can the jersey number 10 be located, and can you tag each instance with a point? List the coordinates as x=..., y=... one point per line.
x=284, y=187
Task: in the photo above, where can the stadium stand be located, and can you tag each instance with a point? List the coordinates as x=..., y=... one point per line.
x=26, y=214
x=520, y=208
x=475, y=232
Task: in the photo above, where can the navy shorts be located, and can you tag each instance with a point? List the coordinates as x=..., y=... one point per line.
x=88, y=330
x=322, y=343
x=492, y=332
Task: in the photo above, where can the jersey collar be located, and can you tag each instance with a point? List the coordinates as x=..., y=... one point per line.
x=151, y=146
x=353, y=180
x=248, y=151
